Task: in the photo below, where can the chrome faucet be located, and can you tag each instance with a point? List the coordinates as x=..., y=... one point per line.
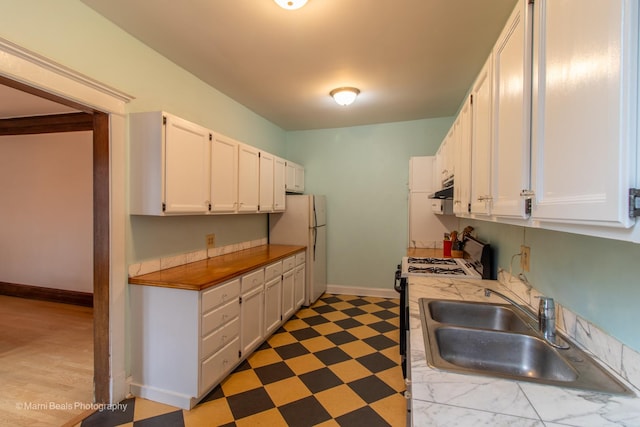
x=546, y=319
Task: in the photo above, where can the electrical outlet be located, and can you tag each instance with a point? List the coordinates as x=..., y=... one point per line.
x=525, y=257
x=211, y=241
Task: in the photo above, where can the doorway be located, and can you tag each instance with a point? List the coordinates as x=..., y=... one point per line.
x=98, y=122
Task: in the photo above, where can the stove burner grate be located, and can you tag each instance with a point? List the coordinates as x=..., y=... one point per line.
x=437, y=270
x=433, y=261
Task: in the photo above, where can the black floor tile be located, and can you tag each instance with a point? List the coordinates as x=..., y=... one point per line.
x=323, y=309
x=371, y=389
x=330, y=299
x=320, y=379
x=291, y=350
x=358, y=301
x=342, y=337
x=249, y=403
x=376, y=362
x=348, y=323
x=275, y=372
x=332, y=355
x=362, y=417
x=385, y=314
x=304, y=334
x=112, y=418
x=304, y=412
x=315, y=320
x=355, y=311
x=382, y=326
x=172, y=419
x=214, y=394
x=387, y=304
x=380, y=342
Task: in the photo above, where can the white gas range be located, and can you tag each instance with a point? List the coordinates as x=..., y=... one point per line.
x=475, y=265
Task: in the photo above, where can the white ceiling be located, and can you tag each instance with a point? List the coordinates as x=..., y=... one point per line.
x=411, y=59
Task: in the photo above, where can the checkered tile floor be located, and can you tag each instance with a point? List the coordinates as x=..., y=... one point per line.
x=333, y=364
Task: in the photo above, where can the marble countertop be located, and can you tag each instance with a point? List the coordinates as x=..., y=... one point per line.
x=440, y=398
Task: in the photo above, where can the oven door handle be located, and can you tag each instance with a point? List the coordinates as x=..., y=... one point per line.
x=397, y=284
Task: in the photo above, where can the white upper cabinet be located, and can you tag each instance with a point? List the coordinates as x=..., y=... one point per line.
x=584, y=130
x=512, y=114
x=266, y=182
x=462, y=160
x=224, y=174
x=294, y=178
x=169, y=165
x=248, y=178
x=279, y=184
x=481, y=134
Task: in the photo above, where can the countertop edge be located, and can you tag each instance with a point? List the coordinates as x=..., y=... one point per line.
x=203, y=274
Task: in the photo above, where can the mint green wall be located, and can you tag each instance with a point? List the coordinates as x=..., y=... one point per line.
x=599, y=279
x=364, y=172
x=72, y=34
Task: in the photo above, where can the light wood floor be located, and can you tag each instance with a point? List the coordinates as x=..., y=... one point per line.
x=46, y=362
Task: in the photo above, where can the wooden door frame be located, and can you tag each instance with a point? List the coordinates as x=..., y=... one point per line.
x=99, y=124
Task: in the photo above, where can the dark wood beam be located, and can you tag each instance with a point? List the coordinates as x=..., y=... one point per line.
x=71, y=122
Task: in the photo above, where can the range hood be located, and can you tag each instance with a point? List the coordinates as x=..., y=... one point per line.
x=445, y=193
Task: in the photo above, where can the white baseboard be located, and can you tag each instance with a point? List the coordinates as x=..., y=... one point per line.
x=363, y=292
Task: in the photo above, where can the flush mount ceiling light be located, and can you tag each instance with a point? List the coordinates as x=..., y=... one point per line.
x=344, y=95
x=291, y=4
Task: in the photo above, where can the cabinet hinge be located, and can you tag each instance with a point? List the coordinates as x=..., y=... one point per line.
x=634, y=202
x=532, y=2
x=210, y=137
x=240, y=300
x=471, y=99
x=164, y=120
x=209, y=206
x=239, y=354
x=528, y=196
x=164, y=207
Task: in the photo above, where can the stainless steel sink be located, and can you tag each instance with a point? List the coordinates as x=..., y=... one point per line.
x=495, y=340
x=505, y=353
x=477, y=315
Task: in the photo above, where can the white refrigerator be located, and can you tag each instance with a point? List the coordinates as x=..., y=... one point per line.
x=304, y=222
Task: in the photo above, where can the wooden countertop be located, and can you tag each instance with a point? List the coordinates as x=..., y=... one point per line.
x=200, y=275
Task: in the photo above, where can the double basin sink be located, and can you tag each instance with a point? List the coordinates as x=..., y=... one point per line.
x=496, y=340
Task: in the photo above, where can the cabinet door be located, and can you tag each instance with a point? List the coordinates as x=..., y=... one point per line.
x=288, y=294
x=512, y=107
x=224, y=174
x=273, y=305
x=252, y=320
x=266, y=182
x=482, y=95
x=248, y=178
x=462, y=187
x=279, y=185
x=298, y=286
x=583, y=135
x=299, y=179
x=186, y=167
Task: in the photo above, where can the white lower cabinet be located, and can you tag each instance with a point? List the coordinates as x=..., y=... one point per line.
x=185, y=342
x=252, y=311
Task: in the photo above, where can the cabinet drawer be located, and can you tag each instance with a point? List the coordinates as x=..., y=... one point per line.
x=301, y=258
x=220, y=294
x=219, y=338
x=288, y=263
x=217, y=366
x=218, y=317
x=252, y=280
x=272, y=271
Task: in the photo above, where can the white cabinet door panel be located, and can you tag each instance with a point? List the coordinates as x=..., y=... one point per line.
x=224, y=174
x=583, y=122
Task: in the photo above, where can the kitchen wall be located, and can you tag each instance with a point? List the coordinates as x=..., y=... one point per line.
x=46, y=237
x=72, y=34
x=596, y=278
x=364, y=172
